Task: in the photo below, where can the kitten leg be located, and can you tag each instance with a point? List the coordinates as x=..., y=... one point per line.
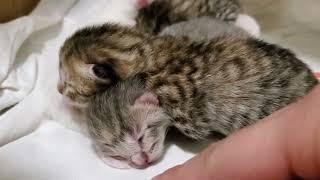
x=249, y=24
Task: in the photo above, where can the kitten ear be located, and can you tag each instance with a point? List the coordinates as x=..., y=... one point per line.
x=147, y=98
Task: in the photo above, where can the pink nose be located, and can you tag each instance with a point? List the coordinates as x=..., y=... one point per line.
x=60, y=87
x=140, y=160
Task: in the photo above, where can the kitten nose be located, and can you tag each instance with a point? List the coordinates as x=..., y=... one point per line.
x=140, y=160
x=60, y=87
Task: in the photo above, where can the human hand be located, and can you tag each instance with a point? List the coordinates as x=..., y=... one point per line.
x=281, y=146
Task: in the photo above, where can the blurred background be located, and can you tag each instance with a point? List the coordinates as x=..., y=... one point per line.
x=292, y=23
x=10, y=9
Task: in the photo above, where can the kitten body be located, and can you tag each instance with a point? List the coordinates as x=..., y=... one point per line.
x=203, y=28
x=219, y=85
x=161, y=13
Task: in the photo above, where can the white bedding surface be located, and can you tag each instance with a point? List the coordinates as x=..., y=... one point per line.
x=53, y=146
x=53, y=152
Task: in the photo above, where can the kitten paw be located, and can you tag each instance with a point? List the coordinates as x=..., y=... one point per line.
x=249, y=24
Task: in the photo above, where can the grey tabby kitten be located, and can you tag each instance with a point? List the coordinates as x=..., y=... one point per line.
x=161, y=13
x=219, y=85
x=127, y=125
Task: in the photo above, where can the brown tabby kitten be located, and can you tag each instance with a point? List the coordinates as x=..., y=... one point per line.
x=161, y=13
x=218, y=85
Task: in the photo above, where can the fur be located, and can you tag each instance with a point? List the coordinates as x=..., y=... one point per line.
x=207, y=28
x=162, y=13
x=219, y=85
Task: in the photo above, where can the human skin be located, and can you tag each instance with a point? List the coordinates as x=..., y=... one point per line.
x=284, y=144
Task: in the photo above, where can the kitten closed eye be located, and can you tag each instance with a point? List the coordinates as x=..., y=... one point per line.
x=153, y=146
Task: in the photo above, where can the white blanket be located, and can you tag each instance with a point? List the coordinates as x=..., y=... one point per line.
x=40, y=139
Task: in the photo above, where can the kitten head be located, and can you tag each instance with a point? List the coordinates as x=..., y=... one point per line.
x=94, y=58
x=127, y=125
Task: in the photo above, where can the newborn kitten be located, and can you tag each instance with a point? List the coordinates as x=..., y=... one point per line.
x=219, y=85
x=108, y=123
x=203, y=28
x=127, y=125
x=161, y=13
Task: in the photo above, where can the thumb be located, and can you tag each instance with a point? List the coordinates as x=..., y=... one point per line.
x=196, y=168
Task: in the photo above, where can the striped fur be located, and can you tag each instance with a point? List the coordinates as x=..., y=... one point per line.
x=219, y=85
x=162, y=13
